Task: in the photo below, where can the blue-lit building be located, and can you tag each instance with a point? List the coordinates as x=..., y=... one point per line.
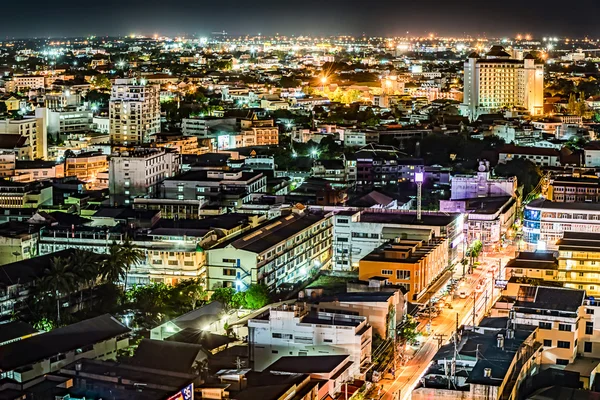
x=545, y=221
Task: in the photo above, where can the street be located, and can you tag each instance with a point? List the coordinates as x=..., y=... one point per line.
x=444, y=325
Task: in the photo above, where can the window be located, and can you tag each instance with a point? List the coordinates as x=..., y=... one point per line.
x=589, y=327
x=562, y=361
x=343, y=240
x=229, y=271
x=564, y=327
x=230, y=260
x=401, y=274
x=275, y=351
x=547, y=343
x=342, y=221
x=587, y=347
x=387, y=272
x=327, y=340
x=549, y=272
x=545, y=325
x=282, y=336
x=589, y=310
x=563, y=344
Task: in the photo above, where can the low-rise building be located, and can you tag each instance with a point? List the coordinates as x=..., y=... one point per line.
x=296, y=331
x=579, y=261
x=413, y=264
x=86, y=166
x=570, y=189
x=537, y=155
x=358, y=233
x=96, y=338
x=283, y=250
x=24, y=195
x=488, y=218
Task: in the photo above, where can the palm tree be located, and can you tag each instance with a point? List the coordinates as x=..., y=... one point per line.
x=58, y=279
x=113, y=267
x=120, y=259
x=131, y=255
x=86, y=267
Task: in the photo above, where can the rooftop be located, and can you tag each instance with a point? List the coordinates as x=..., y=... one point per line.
x=308, y=365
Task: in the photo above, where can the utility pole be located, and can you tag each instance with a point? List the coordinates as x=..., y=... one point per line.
x=474, y=303
x=419, y=181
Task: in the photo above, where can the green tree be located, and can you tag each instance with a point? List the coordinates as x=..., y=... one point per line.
x=474, y=250
x=86, y=266
x=256, y=296
x=408, y=331
x=58, y=279
x=223, y=295
x=114, y=268
x=3, y=108
x=101, y=81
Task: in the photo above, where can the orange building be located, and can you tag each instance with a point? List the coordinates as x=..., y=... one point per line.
x=414, y=264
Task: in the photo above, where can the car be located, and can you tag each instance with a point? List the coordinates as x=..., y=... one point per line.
x=479, y=287
x=462, y=294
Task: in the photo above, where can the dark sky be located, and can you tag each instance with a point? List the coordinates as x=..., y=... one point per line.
x=30, y=18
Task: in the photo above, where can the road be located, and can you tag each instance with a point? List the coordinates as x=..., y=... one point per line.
x=444, y=325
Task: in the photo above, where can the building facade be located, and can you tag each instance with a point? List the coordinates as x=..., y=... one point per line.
x=134, y=112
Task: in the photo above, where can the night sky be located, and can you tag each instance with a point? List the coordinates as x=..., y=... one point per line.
x=33, y=18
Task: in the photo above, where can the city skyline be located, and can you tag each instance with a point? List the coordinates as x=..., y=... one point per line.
x=332, y=18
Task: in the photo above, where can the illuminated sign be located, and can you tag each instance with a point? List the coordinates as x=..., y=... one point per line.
x=501, y=283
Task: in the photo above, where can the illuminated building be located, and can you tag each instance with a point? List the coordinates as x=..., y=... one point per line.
x=414, y=264
x=139, y=172
x=86, y=166
x=134, y=111
x=497, y=81
x=545, y=221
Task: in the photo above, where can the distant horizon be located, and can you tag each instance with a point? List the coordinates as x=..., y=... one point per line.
x=387, y=18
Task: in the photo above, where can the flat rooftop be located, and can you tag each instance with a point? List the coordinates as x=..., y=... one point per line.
x=409, y=218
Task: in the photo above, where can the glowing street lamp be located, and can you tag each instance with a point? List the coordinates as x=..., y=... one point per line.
x=323, y=81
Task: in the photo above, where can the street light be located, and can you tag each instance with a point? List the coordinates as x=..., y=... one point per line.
x=323, y=81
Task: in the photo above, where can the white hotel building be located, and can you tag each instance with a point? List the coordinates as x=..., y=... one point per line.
x=296, y=331
x=497, y=81
x=544, y=221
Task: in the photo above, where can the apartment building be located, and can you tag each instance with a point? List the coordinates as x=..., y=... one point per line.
x=140, y=172
x=70, y=123
x=32, y=128
x=183, y=144
x=283, y=250
x=572, y=189
x=544, y=222
x=579, y=261
x=29, y=171
x=228, y=188
x=24, y=195
x=86, y=166
x=497, y=81
x=26, y=82
x=413, y=264
x=263, y=132
x=481, y=184
x=168, y=259
x=358, y=233
x=134, y=111
x=566, y=321
x=298, y=331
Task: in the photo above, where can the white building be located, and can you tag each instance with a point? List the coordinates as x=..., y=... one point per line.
x=101, y=124
x=69, y=122
x=545, y=221
x=294, y=331
x=284, y=250
x=497, y=81
x=134, y=111
x=139, y=172
x=481, y=185
x=592, y=154
x=358, y=233
x=544, y=157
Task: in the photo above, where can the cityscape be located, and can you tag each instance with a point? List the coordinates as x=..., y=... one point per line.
x=230, y=214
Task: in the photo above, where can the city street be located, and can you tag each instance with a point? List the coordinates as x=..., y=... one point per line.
x=444, y=325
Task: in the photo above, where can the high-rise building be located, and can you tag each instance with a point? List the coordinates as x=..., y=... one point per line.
x=134, y=111
x=498, y=81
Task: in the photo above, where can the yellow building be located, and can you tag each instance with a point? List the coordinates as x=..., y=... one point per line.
x=579, y=261
x=414, y=264
x=86, y=166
